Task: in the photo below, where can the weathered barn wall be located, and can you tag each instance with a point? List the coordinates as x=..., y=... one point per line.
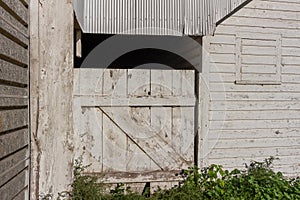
x=51, y=76
x=251, y=79
x=14, y=137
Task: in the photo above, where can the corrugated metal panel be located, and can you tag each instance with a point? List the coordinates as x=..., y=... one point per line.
x=152, y=17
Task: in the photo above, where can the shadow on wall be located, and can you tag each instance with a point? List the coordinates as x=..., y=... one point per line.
x=142, y=52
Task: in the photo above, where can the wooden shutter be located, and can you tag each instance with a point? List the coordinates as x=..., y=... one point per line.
x=258, y=58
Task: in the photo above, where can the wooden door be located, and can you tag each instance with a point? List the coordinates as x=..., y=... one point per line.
x=134, y=125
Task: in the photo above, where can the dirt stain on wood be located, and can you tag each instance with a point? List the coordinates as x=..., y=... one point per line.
x=1, y=124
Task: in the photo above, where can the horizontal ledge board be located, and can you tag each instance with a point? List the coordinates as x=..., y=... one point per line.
x=101, y=101
x=129, y=177
x=257, y=83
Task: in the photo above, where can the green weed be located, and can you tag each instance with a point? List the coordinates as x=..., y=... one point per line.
x=256, y=181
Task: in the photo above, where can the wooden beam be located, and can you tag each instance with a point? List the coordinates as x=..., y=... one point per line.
x=131, y=177
x=102, y=101
x=78, y=44
x=51, y=78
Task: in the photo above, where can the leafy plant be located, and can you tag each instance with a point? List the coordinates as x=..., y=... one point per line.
x=256, y=181
x=85, y=187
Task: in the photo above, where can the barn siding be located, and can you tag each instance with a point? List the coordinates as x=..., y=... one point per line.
x=14, y=139
x=246, y=122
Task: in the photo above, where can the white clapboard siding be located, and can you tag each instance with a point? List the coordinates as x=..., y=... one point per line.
x=252, y=122
x=134, y=121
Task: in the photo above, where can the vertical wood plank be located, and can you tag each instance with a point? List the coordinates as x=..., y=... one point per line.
x=161, y=122
x=204, y=102
x=137, y=160
x=138, y=82
x=88, y=81
x=89, y=138
x=114, y=147
x=114, y=82
x=161, y=83
x=188, y=83
x=183, y=131
x=177, y=82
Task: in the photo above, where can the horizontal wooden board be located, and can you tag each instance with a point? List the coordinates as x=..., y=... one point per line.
x=273, y=5
x=12, y=119
x=9, y=143
x=13, y=187
x=222, y=68
x=270, y=14
x=254, y=143
x=13, y=102
x=260, y=22
x=13, y=22
x=222, y=77
x=13, y=52
x=253, y=133
x=259, y=50
x=254, y=105
x=290, y=60
x=13, y=171
x=251, y=59
x=222, y=58
x=259, y=69
x=92, y=101
x=254, y=152
x=222, y=48
x=258, y=124
x=13, y=73
x=13, y=160
x=290, y=78
x=230, y=87
x=9, y=31
x=290, y=69
x=232, y=29
x=258, y=78
x=256, y=96
x=254, y=115
x=262, y=42
x=155, y=176
x=13, y=91
x=16, y=9
x=223, y=39
x=134, y=83
x=290, y=51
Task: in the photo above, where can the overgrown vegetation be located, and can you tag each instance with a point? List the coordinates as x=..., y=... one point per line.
x=257, y=181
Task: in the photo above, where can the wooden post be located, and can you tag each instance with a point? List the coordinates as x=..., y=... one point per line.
x=51, y=73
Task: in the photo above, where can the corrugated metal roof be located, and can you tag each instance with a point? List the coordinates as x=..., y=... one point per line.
x=152, y=17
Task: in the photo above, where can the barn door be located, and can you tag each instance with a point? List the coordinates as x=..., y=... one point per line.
x=135, y=125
